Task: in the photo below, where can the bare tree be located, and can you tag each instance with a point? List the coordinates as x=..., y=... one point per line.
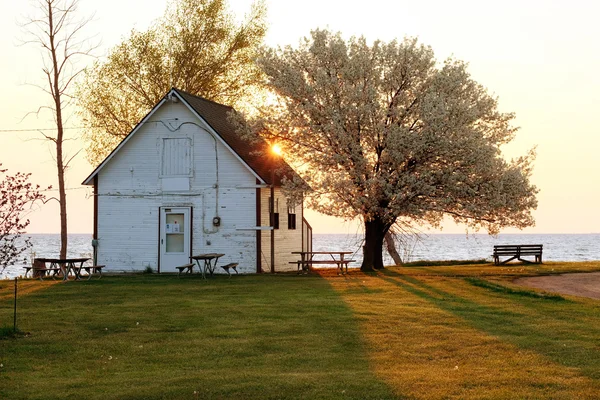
x=56, y=29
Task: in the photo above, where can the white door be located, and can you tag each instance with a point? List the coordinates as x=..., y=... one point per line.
x=174, y=237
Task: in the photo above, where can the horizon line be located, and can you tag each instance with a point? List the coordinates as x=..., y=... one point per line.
x=360, y=233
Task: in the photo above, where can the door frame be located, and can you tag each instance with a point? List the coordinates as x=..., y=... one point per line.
x=191, y=231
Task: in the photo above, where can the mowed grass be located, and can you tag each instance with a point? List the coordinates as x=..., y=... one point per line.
x=466, y=332
x=452, y=332
x=160, y=337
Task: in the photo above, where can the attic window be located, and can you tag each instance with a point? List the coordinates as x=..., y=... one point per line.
x=176, y=157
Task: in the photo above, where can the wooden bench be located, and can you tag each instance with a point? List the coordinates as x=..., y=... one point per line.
x=182, y=268
x=516, y=252
x=93, y=269
x=39, y=270
x=338, y=263
x=229, y=266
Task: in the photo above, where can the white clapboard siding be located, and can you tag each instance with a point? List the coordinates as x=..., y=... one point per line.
x=130, y=194
x=286, y=240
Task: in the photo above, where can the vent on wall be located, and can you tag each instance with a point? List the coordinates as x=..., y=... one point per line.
x=176, y=157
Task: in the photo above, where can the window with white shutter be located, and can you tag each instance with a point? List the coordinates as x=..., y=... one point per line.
x=176, y=157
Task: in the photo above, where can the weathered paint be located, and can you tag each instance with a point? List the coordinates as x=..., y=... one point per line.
x=286, y=240
x=130, y=194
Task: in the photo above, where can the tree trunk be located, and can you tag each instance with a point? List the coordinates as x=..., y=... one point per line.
x=56, y=94
x=391, y=248
x=62, y=195
x=375, y=231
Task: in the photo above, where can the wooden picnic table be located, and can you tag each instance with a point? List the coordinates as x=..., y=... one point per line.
x=337, y=258
x=64, y=265
x=210, y=262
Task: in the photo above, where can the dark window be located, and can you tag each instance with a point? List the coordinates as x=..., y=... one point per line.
x=291, y=214
x=291, y=221
x=274, y=213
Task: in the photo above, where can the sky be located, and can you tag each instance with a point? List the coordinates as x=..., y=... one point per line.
x=540, y=58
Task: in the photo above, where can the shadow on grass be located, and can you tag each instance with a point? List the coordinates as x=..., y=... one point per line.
x=564, y=331
x=156, y=337
x=495, y=287
x=9, y=332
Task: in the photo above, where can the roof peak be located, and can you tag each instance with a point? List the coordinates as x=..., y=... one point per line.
x=183, y=93
x=215, y=116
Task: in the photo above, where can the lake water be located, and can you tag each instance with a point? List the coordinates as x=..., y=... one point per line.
x=557, y=247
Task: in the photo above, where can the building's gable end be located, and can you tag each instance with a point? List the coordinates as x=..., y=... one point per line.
x=90, y=179
x=208, y=127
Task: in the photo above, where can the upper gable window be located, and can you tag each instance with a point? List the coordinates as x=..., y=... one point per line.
x=176, y=157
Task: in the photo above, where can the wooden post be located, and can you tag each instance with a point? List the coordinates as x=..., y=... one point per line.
x=272, y=205
x=15, y=311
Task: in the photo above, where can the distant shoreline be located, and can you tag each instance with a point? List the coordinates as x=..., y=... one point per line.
x=356, y=234
x=568, y=247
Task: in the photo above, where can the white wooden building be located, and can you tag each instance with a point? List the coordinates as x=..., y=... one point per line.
x=184, y=183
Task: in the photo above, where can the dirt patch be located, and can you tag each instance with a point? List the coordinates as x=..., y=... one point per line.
x=580, y=284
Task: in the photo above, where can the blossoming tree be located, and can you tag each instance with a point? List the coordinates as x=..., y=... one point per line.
x=17, y=194
x=385, y=133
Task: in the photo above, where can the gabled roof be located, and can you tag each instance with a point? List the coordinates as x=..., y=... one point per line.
x=254, y=154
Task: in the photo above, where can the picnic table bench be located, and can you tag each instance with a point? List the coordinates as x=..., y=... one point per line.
x=185, y=269
x=307, y=260
x=189, y=268
x=39, y=270
x=229, y=266
x=62, y=266
x=92, y=270
x=516, y=252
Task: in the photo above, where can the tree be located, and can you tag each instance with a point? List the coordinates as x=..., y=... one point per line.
x=16, y=194
x=196, y=47
x=57, y=31
x=386, y=134
x=390, y=246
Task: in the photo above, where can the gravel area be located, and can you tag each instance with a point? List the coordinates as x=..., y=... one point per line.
x=580, y=284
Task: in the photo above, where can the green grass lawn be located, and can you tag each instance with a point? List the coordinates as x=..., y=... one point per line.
x=455, y=332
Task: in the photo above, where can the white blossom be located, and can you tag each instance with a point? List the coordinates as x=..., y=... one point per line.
x=384, y=132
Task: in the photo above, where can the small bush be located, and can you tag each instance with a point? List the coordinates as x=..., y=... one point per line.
x=148, y=270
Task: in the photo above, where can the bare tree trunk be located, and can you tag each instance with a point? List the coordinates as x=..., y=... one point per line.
x=56, y=30
x=56, y=94
x=391, y=248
